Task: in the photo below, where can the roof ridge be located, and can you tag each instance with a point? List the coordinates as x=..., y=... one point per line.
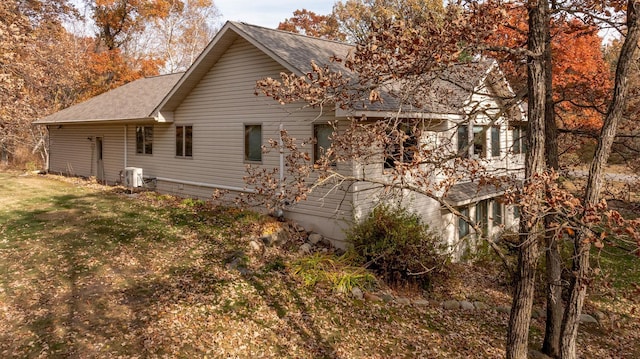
x=293, y=33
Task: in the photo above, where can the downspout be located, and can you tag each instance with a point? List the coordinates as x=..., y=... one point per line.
x=279, y=211
x=47, y=151
x=281, y=146
x=125, y=146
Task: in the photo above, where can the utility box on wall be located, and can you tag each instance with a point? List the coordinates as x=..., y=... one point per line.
x=133, y=177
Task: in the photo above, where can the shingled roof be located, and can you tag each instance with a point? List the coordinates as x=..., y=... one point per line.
x=135, y=100
x=445, y=92
x=295, y=49
x=468, y=192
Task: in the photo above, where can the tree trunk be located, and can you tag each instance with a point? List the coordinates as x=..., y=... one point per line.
x=555, y=308
x=553, y=268
x=520, y=317
x=578, y=286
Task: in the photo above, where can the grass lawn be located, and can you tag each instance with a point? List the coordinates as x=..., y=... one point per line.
x=87, y=272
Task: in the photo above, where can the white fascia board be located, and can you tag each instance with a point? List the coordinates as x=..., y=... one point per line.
x=96, y=121
x=164, y=117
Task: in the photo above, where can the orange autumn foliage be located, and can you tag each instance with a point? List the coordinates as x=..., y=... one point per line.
x=311, y=24
x=109, y=69
x=581, y=77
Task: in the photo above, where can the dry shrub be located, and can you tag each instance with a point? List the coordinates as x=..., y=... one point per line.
x=398, y=246
x=22, y=158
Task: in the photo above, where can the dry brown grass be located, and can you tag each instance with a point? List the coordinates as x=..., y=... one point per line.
x=86, y=272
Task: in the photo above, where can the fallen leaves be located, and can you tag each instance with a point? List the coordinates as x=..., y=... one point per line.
x=107, y=283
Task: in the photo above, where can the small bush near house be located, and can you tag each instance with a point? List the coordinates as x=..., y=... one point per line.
x=398, y=246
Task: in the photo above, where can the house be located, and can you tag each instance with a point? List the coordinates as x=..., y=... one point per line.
x=195, y=132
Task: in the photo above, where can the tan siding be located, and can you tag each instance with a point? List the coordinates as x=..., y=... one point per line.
x=217, y=108
x=72, y=151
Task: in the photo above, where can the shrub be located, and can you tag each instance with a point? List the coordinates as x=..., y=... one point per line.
x=398, y=246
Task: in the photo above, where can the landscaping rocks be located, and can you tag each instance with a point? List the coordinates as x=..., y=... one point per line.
x=600, y=316
x=357, y=293
x=421, y=302
x=279, y=238
x=387, y=297
x=587, y=319
x=370, y=297
x=315, y=238
x=305, y=248
x=403, y=301
x=466, y=305
x=256, y=247
x=480, y=305
x=451, y=304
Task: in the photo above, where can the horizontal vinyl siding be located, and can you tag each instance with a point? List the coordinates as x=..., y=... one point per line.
x=218, y=108
x=73, y=153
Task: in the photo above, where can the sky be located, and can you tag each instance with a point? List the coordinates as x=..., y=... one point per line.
x=268, y=13
x=263, y=13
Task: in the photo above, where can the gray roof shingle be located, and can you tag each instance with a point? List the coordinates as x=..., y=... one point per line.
x=443, y=93
x=295, y=49
x=135, y=100
x=468, y=192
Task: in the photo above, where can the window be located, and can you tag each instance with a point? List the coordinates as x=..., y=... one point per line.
x=479, y=147
x=322, y=133
x=463, y=140
x=519, y=134
x=496, y=210
x=184, y=141
x=479, y=141
x=253, y=143
x=463, y=226
x=516, y=212
x=144, y=140
x=482, y=215
x=495, y=141
x=402, y=147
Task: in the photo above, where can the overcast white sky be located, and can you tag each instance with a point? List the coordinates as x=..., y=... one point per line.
x=263, y=13
x=268, y=13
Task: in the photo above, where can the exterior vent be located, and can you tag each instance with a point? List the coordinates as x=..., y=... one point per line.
x=133, y=177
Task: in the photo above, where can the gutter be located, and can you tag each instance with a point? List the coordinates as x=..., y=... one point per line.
x=396, y=114
x=97, y=120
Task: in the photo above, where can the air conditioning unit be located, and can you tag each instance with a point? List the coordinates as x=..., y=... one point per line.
x=133, y=177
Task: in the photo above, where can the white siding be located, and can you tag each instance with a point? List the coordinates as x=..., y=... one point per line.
x=367, y=195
